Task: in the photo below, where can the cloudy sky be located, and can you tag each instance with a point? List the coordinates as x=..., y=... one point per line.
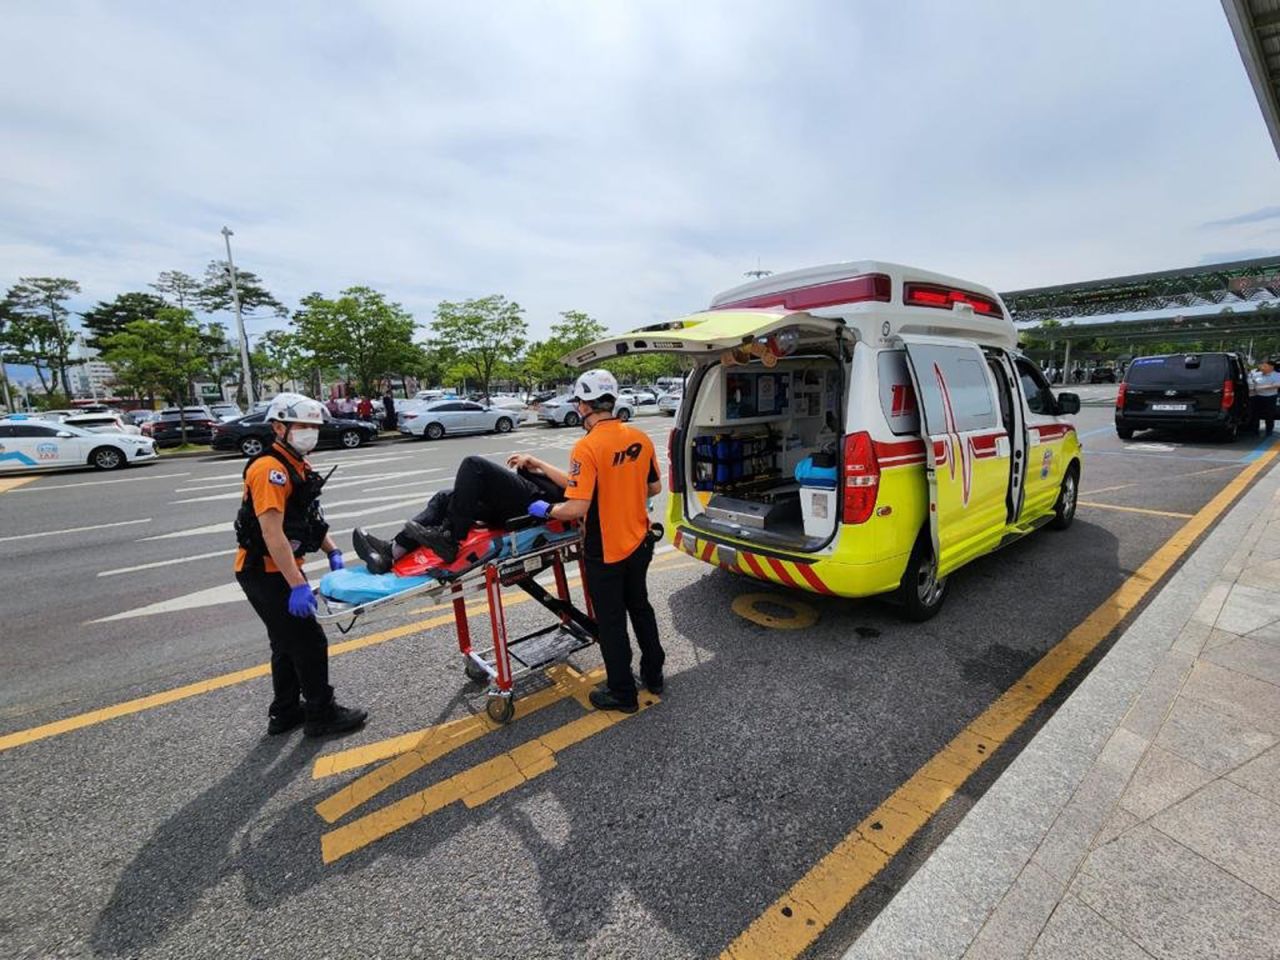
x=625, y=158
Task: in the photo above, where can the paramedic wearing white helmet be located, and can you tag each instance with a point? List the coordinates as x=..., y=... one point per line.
x=613, y=471
x=280, y=521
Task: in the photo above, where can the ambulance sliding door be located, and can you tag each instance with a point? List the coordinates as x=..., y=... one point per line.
x=967, y=448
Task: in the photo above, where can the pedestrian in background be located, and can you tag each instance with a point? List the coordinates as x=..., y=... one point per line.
x=364, y=409
x=1264, y=384
x=389, y=421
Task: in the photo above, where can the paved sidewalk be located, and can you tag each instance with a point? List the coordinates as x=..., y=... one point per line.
x=1144, y=819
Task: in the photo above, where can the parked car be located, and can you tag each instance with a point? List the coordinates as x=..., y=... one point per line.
x=166, y=428
x=539, y=398
x=1184, y=391
x=1102, y=375
x=34, y=443
x=102, y=423
x=562, y=411
x=669, y=405
x=437, y=418
x=138, y=417
x=639, y=396
x=251, y=434
x=226, y=412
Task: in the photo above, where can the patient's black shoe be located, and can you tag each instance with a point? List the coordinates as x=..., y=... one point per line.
x=375, y=553
x=437, y=539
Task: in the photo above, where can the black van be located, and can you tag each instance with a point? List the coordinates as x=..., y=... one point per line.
x=1184, y=391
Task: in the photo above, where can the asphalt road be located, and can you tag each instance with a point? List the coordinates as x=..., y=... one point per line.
x=180, y=830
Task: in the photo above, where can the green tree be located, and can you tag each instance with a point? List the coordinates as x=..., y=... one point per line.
x=178, y=288
x=542, y=363
x=110, y=317
x=480, y=334
x=214, y=294
x=362, y=331
x=165, y=355
x=279, y=358
x=42, y=319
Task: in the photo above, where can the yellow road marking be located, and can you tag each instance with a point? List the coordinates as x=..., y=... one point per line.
x=799, y=916
x=1150, y=513
x=13, y=483
x=93, y=717
x=474, y=786
x=802, y=615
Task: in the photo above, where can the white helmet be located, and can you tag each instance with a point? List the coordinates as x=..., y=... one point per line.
x=295, y=408
x=595, y=385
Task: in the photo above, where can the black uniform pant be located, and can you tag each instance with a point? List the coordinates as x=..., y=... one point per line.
x=483, y=492
x=619, y=590
x=299, y=648
x=1263, y=410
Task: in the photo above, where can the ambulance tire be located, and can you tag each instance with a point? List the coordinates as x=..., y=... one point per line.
x=1064, y=511
x=921, y=593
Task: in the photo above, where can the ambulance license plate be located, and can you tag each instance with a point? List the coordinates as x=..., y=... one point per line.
x=1179, y=407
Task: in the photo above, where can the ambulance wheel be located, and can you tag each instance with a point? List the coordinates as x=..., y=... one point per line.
x=500, y=709
x=434, y=431
x=475, y=672
x=107, y=458
x=571, y=419
x=1064, y=511
x=922, y=592
x=251, y=446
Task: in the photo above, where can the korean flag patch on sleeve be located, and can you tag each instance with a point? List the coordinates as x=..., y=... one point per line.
x=276, y=477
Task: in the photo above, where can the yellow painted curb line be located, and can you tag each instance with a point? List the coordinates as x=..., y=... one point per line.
x=13, y=483
x=797, y=918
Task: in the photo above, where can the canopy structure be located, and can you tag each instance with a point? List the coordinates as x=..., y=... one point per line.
x=1240, y=283
x=1256, y=27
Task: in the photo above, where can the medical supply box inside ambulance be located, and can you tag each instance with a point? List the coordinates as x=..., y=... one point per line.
x=858, y=429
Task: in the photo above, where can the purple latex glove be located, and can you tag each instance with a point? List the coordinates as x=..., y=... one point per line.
x=335, y=560
x=302, y=602
x=540, y=509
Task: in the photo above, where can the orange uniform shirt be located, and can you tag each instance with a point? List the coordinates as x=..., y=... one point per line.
x=612, y=466
x=268, y=481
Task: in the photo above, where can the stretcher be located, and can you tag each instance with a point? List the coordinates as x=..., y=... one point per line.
x=489, y=560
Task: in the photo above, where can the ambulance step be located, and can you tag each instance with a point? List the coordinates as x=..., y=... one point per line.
x=549, y=645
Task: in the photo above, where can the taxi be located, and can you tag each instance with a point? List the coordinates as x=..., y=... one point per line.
x=858, y=429
x=33, y=443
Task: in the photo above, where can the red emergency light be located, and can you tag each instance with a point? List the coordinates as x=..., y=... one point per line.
x=868, y=286
x=943, y=298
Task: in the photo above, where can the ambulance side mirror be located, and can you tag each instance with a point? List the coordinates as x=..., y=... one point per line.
x=1068, y=404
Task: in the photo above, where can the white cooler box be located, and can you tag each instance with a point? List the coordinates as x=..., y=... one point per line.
x=818, y=507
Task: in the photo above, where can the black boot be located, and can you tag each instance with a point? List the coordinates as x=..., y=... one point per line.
x=602, y=698
x=438, y=539
x=332, y=718
x=285, y=720
x=375, y=553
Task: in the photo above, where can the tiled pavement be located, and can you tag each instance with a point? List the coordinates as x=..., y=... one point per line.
x=1144, y=819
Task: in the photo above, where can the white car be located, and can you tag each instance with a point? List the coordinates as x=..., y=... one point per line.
x=437, y=418
x=36, y=444
x=102, y=423
x=562, y=411
x=669, y=405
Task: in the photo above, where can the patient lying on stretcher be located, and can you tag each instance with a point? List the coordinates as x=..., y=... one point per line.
x=483, y=492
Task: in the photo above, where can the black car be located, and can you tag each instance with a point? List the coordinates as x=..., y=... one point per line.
x=252, y=434
x=1102, y=375
x=1184, y=391
x=166, y=428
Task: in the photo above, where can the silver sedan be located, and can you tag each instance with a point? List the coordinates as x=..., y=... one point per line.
x=434, y=419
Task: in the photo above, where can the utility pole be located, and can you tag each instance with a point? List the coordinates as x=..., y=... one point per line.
x=244, y=341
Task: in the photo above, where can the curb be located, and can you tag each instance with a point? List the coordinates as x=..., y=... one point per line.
x=1019, y=846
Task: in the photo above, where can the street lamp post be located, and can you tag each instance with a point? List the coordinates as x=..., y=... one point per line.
x=244, y=342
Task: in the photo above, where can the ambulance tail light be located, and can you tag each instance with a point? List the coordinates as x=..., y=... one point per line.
x=1120, y=395
x=861, y=478
x=944, y=298
x=675, y=461
x=1228, y=395
x=876, y=287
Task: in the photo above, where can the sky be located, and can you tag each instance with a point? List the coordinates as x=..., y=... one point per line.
x=629, y=159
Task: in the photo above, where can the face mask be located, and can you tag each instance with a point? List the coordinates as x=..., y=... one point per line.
x=304, y=440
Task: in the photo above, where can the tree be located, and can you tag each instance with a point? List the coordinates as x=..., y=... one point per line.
x=542, y=363
x=214, y=294
x=108, y=318
x=164, y=355
x=362, y=331
x=280, y=358
x=479, y=334
x=178, y=288
x=40, y=306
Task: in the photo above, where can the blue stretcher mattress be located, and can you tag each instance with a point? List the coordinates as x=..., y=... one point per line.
x=357, y=585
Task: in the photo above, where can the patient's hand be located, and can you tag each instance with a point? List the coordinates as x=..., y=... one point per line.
x=526, y=461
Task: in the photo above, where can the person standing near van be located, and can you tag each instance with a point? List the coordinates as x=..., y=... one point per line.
x=1264, y=384
x=279, y=522
x=613, y=471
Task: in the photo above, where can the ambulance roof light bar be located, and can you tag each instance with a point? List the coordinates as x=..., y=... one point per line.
x=944, y=298
x=867, y=287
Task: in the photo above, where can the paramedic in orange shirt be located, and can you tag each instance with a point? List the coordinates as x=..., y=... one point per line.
x=613, y=471
x=279, y=522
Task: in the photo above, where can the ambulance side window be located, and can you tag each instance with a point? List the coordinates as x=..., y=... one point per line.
x=1035, y=388
x=958, y=394
x=897, y=395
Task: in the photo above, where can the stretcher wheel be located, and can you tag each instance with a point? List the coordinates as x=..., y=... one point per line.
x=500, y=709
x=475, y=671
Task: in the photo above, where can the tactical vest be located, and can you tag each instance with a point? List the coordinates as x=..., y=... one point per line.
x=304, y=524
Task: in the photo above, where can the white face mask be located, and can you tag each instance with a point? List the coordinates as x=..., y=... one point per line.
x=304, y=439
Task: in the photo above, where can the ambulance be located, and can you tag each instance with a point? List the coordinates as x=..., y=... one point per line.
x=858, y=429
